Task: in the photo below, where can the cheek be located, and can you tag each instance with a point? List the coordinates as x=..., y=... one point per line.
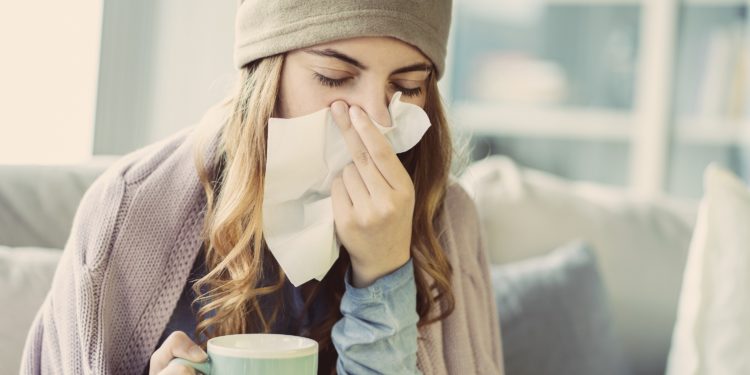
x=418, y=101
x=300, y=96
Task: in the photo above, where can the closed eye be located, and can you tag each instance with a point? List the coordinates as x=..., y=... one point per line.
x=330, y=82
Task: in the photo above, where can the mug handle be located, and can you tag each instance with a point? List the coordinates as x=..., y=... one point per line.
x=203, y=367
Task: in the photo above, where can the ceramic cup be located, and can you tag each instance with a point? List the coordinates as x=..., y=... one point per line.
x=258, y=354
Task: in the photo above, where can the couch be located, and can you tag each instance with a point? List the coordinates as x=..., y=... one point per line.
x=639, y=245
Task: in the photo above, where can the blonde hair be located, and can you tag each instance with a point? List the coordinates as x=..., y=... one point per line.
x=236, y=255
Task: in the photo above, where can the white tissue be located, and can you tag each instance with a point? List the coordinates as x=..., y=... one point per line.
x=304, y=155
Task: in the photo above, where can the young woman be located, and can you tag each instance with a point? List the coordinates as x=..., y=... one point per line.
x=167, y=247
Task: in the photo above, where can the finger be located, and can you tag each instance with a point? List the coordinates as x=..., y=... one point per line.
x=342, y=204
x=370, y=173
x=378, y=148
x=176, y=369
x=178, y=344
x=338, y=191
x=356, y=188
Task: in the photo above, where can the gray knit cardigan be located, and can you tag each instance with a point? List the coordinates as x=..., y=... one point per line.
x=135, y=236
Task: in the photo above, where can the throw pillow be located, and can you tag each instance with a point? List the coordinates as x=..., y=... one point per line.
x=554, y=315
x=712, y=332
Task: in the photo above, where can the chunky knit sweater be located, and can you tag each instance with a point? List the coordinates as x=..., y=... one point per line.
x=136, y=235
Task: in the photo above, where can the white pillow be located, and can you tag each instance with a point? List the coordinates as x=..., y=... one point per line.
x=641, y=244
x=25, y=278
x=712, y=332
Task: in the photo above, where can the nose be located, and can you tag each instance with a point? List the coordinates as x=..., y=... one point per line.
x=375, y=104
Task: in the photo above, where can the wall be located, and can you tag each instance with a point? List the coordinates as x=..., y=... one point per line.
x=163, y=64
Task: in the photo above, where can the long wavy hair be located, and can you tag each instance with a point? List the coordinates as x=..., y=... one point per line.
x=242, y=275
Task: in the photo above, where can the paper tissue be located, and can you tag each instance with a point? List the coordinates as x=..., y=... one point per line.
x=304, y=155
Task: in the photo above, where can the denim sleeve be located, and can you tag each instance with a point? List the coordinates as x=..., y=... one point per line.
x=378, y=331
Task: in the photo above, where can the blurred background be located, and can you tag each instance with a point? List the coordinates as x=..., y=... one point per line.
x=642, y=94
x=639, y=94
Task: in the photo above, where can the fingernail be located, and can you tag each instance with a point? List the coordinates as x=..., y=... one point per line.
x=198, y=353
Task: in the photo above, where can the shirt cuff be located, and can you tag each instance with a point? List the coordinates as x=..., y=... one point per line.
x=374, y=292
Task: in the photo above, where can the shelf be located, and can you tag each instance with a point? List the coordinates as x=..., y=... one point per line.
x=713, y=132
x=735, y=3
x=639, y=2
x=573, y=123
x=593, y=2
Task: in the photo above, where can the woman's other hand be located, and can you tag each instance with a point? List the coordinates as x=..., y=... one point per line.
x=177, y=345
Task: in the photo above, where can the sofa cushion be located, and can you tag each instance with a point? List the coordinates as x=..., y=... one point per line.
x=641, y=244
x=25, y=277
x=38, y=202
x=554, y=315
x=712, y=332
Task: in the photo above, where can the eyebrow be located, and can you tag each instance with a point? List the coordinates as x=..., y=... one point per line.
x=329, y=52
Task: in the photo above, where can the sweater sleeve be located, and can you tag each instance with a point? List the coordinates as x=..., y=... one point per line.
x=62, y=335
x=41, y=334
x=378, y=331
x=489, y=307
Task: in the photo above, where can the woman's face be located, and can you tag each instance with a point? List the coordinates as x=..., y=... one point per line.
x=364, y=71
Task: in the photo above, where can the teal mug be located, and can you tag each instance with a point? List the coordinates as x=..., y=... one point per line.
x=258, y=354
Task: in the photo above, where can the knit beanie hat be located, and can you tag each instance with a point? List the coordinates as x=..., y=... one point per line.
x=268, y=27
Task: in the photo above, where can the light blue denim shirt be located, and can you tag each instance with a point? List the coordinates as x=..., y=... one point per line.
x=378, y=331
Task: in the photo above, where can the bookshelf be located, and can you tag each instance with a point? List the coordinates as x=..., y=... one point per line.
x=662, y=77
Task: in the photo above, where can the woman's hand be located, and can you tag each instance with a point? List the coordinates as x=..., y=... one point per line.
x=373, y=199
x=177, y=345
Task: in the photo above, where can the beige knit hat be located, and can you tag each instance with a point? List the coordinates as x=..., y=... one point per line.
x=268, y=27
